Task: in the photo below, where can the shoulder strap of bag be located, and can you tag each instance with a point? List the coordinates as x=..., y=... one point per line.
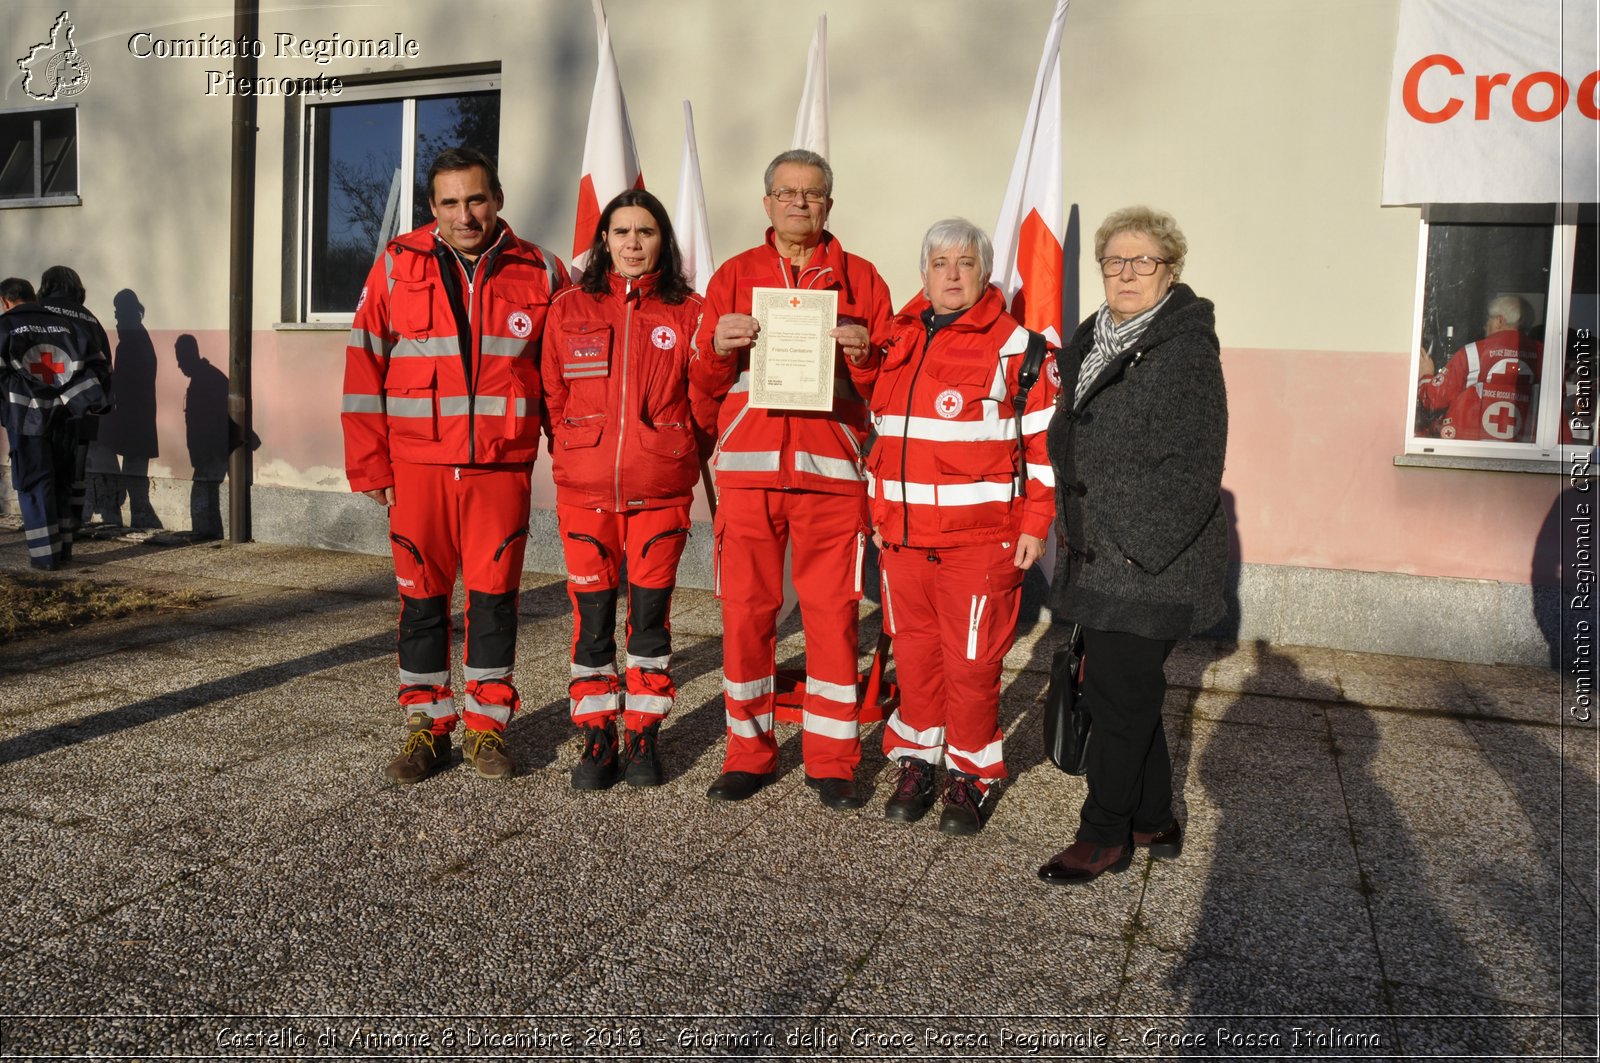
x=1027, y=376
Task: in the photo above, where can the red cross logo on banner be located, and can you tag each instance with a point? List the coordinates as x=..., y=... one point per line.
x=794, y=301
x=45, y=369
x=1500, y=420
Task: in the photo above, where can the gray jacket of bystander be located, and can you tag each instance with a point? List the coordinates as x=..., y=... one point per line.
x=1138, y=463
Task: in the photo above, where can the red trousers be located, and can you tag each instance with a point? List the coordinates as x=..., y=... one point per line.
x=473, y=519
x=952, y=614
x=828, y=540
x=596, y=543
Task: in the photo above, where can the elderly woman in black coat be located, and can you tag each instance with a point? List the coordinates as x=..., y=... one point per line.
x=1137, y=443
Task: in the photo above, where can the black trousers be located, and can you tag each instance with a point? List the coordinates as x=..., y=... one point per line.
x=1130, y=773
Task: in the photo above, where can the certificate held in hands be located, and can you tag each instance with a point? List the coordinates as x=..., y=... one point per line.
x=791, y=363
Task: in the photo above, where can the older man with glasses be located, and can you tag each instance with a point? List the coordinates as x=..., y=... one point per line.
x=780, y=472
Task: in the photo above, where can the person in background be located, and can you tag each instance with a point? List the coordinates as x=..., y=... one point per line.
x=1138, y=443
x=441, y=426
x=962, y=497
x=1485, y=390
x=53, y=372
x=61, y=291
x=625, y=462
x=795, y=480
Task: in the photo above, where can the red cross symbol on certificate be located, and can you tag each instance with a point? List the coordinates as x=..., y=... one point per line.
x=45, y=369
x=794, y=301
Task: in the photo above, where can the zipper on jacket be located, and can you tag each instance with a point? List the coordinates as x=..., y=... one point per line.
x=905, y=441
x=621, y=419
x=472, y=378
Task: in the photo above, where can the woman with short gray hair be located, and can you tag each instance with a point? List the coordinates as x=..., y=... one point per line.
x=961, y=494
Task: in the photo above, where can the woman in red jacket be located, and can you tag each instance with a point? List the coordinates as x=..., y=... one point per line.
x=962, y=499
x=615, y=379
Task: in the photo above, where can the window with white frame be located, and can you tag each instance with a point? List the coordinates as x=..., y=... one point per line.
x=367, y=158
x=1505, y=357
x=39, y=157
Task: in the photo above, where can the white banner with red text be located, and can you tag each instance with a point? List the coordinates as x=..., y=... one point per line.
x=1494, y=102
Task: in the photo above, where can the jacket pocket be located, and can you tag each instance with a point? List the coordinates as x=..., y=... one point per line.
x=973, y=477
x=411, y=308
x=411, y=399
x=578, y=435
x=667, y=463
x=585, y=348
x=976, y=372
x=668, y=440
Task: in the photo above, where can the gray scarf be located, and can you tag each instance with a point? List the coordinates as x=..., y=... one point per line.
x=1110, y=341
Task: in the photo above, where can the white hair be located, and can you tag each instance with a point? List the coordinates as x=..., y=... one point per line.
x=1513, y=310
x=958, y=234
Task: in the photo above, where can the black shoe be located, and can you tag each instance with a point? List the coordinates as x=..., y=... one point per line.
x=642, y=765
x=1162, y=844
x=963, y=805
x=597, y=769
x=913, y=791
x=737, y=786
x=1085, y=861
x=837, y=794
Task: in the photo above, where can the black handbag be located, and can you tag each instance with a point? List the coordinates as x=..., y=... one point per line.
x=1066, y=717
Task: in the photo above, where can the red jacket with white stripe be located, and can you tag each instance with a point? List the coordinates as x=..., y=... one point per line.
x=616, y=384
x=785, y=448
x=411, y=393
x=1486, y=389
x=947, y=469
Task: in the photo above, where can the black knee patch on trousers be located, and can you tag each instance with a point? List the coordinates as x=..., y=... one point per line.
x=491, y=629
x=648, y=608
x=597, y=628
x=425, y=634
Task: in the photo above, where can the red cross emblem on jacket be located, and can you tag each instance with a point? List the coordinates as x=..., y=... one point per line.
x=45, y=369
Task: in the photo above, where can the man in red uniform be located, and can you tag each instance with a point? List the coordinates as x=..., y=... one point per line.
x=441, y=425
x=780, y=472
x=1486, y=389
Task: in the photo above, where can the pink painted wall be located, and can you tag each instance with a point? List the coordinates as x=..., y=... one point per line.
x=1312, y=441
x=1311, y=446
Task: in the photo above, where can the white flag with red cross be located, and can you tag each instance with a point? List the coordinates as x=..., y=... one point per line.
x=1028, y=236
x=610, y=159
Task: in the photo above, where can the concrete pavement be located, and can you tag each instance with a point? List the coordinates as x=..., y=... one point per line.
x=1386, y=858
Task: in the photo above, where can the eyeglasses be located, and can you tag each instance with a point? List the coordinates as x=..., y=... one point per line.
x=789, y=195
x=1144, y=265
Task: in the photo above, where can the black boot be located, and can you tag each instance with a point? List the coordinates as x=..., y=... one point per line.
x=642, y=762
x=597, y=768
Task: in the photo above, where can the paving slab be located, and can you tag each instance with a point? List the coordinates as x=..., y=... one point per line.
x=1384, y=858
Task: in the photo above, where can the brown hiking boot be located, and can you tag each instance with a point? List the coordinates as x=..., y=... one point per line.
x=486, y=752
x=423, y=754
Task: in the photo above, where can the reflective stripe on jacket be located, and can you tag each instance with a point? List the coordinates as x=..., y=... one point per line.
x=411, y=393
x=51, y=361
x=776, y=448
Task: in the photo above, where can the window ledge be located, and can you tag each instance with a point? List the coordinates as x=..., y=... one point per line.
x=43, y=201
x=1459, y=461
x=310, y=326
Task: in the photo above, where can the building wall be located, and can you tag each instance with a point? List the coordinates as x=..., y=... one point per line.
x=1259, y=124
